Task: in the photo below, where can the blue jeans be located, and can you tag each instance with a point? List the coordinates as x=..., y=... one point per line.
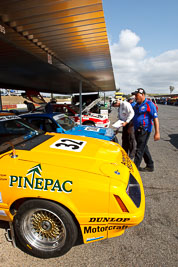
x=142, y=151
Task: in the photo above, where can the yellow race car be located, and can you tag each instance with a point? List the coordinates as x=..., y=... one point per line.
x=59, y=190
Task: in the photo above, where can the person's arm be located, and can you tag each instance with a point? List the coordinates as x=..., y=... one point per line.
x=157, y=133
x=130, y=114
x=154, y=116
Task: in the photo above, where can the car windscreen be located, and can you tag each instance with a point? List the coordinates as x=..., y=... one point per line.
x=75, y=108
x=65, y=122
x=14, y=131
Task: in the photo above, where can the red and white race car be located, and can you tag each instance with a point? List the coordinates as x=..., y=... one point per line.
x=88, y=118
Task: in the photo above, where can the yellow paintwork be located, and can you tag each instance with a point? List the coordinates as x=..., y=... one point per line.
x=84, y=182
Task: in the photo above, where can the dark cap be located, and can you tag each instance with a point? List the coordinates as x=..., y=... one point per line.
x=139, y=91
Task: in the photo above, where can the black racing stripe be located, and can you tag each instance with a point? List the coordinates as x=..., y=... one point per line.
x=32, y=143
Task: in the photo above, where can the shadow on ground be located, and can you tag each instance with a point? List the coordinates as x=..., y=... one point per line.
x=4, y=225
x=174, y=140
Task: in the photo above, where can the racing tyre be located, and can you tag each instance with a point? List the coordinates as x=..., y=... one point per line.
x=45, y=229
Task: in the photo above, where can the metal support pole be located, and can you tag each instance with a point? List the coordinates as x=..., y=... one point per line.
x=104, y=99
x=0, y=101
x=80, y=99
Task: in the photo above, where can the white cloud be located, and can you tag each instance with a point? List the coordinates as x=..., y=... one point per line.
x=133, y=68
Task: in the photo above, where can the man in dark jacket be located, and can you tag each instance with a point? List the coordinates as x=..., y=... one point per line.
x=49, y=105
x=30, y=106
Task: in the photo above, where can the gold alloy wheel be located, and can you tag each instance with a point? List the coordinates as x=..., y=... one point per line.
x=43, y=229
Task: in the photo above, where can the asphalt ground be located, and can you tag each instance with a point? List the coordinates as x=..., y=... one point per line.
x=152, y=243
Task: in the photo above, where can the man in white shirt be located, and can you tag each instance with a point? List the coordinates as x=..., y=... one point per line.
x=126, y=114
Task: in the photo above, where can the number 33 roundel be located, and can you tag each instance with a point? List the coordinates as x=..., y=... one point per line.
x=69, y=144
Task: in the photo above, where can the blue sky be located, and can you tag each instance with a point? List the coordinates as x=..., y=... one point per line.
x=152, y=28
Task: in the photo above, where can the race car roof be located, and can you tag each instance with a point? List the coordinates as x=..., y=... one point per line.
x=43, y=115
x=51, y=45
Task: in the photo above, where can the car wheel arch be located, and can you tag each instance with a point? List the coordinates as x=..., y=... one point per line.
x=17, y=203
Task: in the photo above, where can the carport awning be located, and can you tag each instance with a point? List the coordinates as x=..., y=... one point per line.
x=69, y=34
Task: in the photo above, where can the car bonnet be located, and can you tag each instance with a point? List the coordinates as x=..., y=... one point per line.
x=77, y=152
x=90, y=131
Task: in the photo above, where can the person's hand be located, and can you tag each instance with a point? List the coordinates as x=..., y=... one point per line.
x=124, y=123
x=156, y=136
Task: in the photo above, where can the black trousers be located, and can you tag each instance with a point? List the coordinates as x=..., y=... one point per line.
x=142, y=150
x=128, y=140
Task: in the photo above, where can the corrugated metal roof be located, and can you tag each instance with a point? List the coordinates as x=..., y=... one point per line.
x=69, y=34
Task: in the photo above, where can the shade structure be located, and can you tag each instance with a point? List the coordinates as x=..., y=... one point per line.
x=52, y=45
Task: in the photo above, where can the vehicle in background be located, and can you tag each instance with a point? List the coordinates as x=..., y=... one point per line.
x=88, y=118
x=13, y=92
x=167, y=99
x=99, y=106
x=87, y=98
x=173, y=101
x=3, y=92
x=161, y=100
x=58, y=190
x=61, y=123
x=119, y=95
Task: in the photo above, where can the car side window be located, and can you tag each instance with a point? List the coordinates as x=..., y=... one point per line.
x=49, y=125
x=14, y=127
x=38, y=122
x=68, y=112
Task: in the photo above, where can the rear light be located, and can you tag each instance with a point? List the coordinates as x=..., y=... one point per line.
x=121, y=204
x=133, y=191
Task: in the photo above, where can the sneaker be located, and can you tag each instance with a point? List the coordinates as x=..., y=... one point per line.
x=146, y=169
